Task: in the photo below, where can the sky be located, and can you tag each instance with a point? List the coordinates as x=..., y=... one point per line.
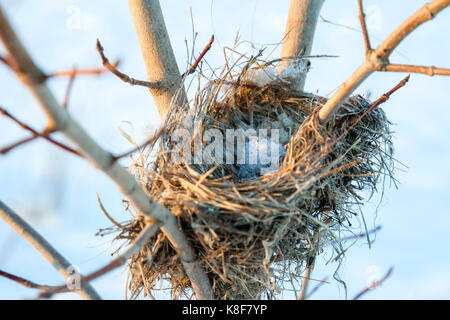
x=56, y=192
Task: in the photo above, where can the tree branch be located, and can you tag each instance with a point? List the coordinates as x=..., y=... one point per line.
x=374, y=285
x=200, y=57
x=45, y=136
x=158, y=55
x=120, y=260
x=43, y=247
x=362, y=21
x=430, y=71
x=299, y=35
x=123, y=76
x=378, y=59
x=60, y=119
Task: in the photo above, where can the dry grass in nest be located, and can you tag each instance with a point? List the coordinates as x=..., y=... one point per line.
x=253, y=236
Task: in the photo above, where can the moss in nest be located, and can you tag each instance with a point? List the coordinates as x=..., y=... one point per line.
x=254, y=235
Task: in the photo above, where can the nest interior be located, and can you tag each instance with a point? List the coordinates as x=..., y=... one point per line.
x=254, y=232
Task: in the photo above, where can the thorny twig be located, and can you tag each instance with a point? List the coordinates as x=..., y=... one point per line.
x=81, y=72
x=362, y=20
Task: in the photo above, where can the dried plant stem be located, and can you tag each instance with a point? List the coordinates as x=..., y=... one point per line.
x=43, y=247
x=81, y=72
x=59, y=119
x=158, y=55
x=22, y=281
x=378, y=59
x=299, y=34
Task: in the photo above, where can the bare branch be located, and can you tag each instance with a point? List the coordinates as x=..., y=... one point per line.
x=379, y=101
x=362, y=21
x=430, y=71
x=17, y=144
x=120, y=260
x=4, y=60
x=43, y=247
x=81, y=72
x=374, y=285
x=123, y=76
x=158, y=55
x=23, y=282
x=45, y=136
x=60, y=119
x=299, y=34
x=378, y=59
x=200, y=57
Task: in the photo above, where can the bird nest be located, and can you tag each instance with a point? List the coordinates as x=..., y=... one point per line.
x=254, y=228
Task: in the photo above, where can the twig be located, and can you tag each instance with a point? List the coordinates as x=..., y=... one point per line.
x=123, y=76
x=316, y=288
x=430, y=71
x=378, y=59
x=43, y=247
x=4, y=60
x=200, y=57
x=150, y=141
x=379, y=101
x=17, y=144
x=374, y=285
x=81, y=72
x=158, y=55
x=120, y=260
x=23, y=282
x=45, y=136
x=362, y=21
x=59, y=119
x=72, y=77
x=362, y=235
x=299, y=34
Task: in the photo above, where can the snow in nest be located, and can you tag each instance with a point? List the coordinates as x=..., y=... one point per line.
x=263, y=76
x=269, y=155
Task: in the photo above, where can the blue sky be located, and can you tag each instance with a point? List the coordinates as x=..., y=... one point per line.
x=57, y=192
